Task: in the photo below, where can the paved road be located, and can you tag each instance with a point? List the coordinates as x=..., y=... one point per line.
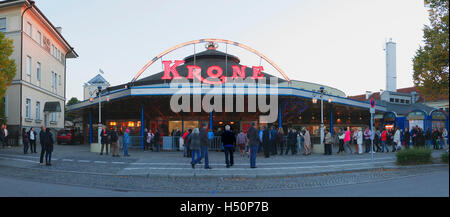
x=169, y=172
x=433, y=184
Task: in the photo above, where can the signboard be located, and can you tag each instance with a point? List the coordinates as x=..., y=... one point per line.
x=216, y=72
x=372, y=106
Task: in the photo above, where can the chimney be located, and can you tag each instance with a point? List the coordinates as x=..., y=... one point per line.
x=59, y=29
x=391, y=66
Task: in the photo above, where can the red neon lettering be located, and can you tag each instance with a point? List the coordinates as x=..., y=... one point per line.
x=206, y=81
x=257, y=72
x=191, y=70
x=215, y=68
x=239, y=71
x=171, y=69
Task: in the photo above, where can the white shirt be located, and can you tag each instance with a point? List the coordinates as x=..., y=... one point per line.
x=397, y=135
x=31, y=135
x=6, y=132
x=360, y=137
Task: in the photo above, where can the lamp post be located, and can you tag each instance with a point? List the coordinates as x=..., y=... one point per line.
x=99, y=94
x=321, y=91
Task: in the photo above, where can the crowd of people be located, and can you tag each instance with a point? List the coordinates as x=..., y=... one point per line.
x=46, y=141
x=265, y=141
x=269, y=141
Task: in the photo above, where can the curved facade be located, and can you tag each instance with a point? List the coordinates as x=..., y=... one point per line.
x=146, y=103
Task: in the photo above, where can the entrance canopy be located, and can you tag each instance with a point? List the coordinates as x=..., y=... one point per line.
x=52, y=107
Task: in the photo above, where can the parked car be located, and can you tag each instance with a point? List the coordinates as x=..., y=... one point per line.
x=69, y=136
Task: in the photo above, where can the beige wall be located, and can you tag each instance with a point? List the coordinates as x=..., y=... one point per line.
x=35, y=96
x=35, y=47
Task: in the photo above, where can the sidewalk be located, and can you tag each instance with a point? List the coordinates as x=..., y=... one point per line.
x=78, y=159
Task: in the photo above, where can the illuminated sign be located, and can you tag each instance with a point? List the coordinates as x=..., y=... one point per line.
x=216, y=72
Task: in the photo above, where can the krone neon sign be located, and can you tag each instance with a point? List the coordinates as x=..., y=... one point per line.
x=215, y=72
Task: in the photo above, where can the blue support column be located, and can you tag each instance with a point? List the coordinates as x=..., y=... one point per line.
x=142, y=126
x=211, y=120
x=280, y=117
x=182, y=126
x=331, y=120
x=90, y=127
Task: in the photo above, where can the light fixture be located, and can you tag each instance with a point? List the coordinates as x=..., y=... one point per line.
x=314, y=100
x=130, y=124
x=220, y=123
x=232, y=123
x=91, y=99
x=108, y=99
x=329, y=100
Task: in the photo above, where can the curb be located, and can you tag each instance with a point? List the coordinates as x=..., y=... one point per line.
x=256, y=176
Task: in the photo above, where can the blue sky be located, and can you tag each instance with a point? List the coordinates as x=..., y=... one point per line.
x=334, y=43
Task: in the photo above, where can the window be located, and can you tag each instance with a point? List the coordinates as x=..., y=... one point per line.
x=397, y=100
x=28, y=108
x=53, y=50
x=28, y=68
x=38, y=73
x=392, y=100
x=402, y=101
x=38, y=110
x=53, y=81
x=59, y=80
x=3, y=24
x=39, y=37
x=29, y=29
x=56, y=82
x=407, y=101
x=53, y=117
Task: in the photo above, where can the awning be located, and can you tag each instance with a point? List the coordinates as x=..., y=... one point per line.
x=52, y=107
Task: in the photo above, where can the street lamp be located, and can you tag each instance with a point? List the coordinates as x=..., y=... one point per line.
x=322, y=92
x=99, y=95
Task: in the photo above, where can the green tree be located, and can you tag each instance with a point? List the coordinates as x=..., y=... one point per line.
x=431, y=63
x=7, y=70
x=71, y=116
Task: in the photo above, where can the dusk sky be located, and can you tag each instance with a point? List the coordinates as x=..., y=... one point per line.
x=334, y=43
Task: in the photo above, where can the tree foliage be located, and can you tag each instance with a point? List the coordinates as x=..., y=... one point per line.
x=71, y=116
x=7, y=70
x=431, y=62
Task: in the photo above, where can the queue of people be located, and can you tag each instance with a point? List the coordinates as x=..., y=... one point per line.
x=46, y=141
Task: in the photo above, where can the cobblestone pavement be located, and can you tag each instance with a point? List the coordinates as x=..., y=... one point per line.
x=170, y=172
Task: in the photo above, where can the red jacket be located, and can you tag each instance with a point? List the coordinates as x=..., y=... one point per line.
x=384, y=136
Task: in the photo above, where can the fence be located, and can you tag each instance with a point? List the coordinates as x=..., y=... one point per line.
x=172, y=143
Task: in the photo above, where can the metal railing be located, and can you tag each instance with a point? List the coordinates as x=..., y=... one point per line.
x=172, y=143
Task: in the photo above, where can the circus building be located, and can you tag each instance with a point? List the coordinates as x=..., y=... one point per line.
x=233, y=91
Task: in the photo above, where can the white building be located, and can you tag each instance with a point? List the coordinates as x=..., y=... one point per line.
x=38, y=92
x=90, y=88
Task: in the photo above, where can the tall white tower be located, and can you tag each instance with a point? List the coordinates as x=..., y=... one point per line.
x=391, y=66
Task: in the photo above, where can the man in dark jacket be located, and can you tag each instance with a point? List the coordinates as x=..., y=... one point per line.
x=104, y=140
x=253, y=137
x=204, y=141
x=407, y=138
x=157, y=137
x=228, y=141
x=48, y=139
x=266, y=142
x=42, y=140
x=273, y=141
x=292, y=141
